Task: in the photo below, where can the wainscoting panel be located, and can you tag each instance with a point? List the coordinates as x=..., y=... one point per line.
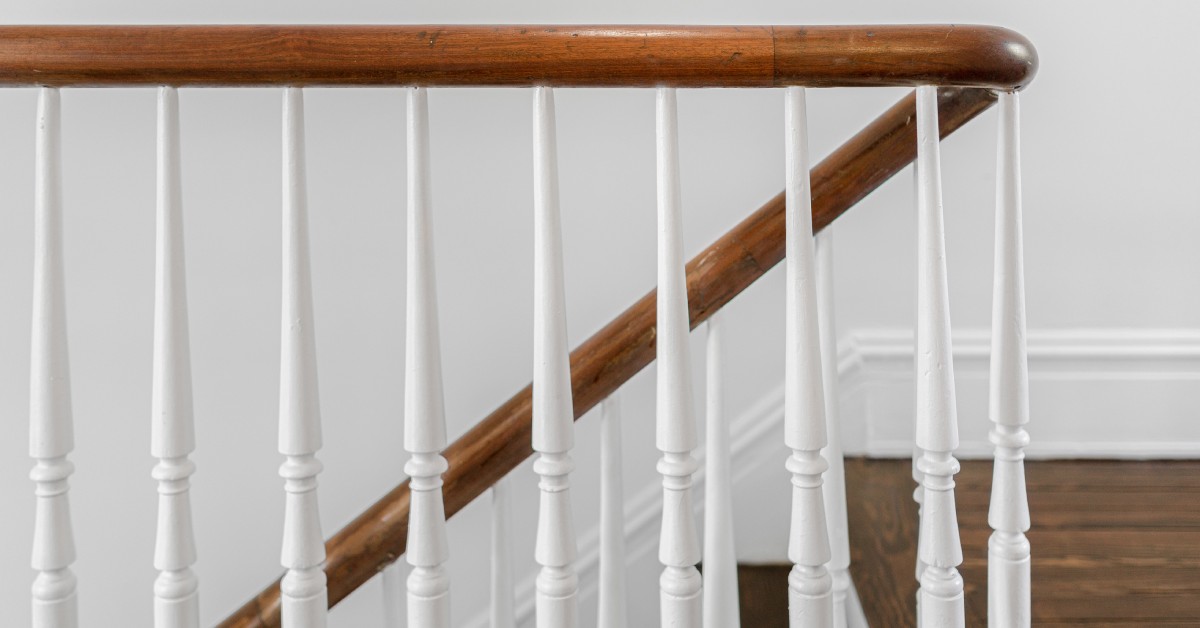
x=1103, y=393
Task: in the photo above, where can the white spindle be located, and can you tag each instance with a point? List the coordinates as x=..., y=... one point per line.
x=918, y=477
x=502, y=569
x=679, y=547
x=1008, y=549
x=302, y=590
x=810, y=597
x=834, y=488
x=424, y=404
x=172, y=440
x=720, y=562
x=941, y=593
x=553, y=413
x=919, y=497
x=392, y=581
x=611, y=605
x=51, y=435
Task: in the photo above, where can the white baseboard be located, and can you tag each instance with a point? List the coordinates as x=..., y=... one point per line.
x=1083, y=384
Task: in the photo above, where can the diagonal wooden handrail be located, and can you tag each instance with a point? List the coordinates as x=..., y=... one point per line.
x=501, y=441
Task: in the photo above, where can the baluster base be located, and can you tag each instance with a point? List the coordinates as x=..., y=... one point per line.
x=1009, y=603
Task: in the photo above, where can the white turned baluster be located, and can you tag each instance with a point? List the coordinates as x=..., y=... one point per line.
x=502, y=570
x=553, y=413
x=941, y=593
x=1008, y=549
x=720, y=562
x=679, y=547
x=611, y=611
x=302, y=590
x=918, y=478
x=172, y=440
x=51, y=435
x=810, y=595
x=424, y=404
x=834, y=488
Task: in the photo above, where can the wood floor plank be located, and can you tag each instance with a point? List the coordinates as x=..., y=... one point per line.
x=763, y=595
x=1115, y=543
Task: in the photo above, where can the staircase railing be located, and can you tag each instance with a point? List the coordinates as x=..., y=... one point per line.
x=958, y=71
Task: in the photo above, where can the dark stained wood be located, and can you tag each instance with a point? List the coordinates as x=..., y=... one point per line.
x=501, y=441
x=883, y=529
x=1114, y=543
x=867, y=57
x=629, y=56
x=763, y=595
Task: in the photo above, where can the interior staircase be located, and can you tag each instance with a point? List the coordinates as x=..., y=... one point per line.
x=959, y=71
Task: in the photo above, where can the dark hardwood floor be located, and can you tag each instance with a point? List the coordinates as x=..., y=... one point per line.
x=1114, y=544
x=763, y=595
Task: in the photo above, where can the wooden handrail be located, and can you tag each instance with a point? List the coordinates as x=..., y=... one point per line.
x=501, y=441
x=566, y=56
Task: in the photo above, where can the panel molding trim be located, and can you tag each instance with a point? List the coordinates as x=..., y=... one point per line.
x=1094, y=393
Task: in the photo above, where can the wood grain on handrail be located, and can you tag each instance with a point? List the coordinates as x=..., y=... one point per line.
x=501, y=441
x=563, y=56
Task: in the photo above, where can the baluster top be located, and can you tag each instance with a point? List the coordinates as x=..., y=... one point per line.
x=515, y=56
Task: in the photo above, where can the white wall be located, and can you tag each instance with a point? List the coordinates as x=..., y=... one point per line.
x=1110, y=206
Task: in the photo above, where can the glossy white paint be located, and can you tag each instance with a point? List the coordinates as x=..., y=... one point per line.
x=553, y=411
x=679, y=547
x=303, y=593
x=611, y=610
x=834, y=485
x=919, y=498
x=941, y=593
x=918, y=477
x=172, y=431
x=720, y=561
x=810, y=587
x=503, y=613
x=51, y=432
x=1008, y=549
x=424, y=403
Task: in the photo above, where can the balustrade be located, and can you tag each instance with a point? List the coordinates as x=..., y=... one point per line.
x=565, y=385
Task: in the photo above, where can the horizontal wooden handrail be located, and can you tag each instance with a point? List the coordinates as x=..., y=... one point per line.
x=501, y=441
x=565, y=56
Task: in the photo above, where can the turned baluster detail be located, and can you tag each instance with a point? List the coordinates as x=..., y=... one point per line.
x=176, y=597
x=810, y=599
x=553, y=412
x=1008, y=549
x=424, y=404
x=941, y=592
x=918, y=494
x=51, y=431
x=679, y=548
x=303, y=590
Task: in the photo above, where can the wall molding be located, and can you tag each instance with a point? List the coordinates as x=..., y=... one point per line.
x=1094, y=393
